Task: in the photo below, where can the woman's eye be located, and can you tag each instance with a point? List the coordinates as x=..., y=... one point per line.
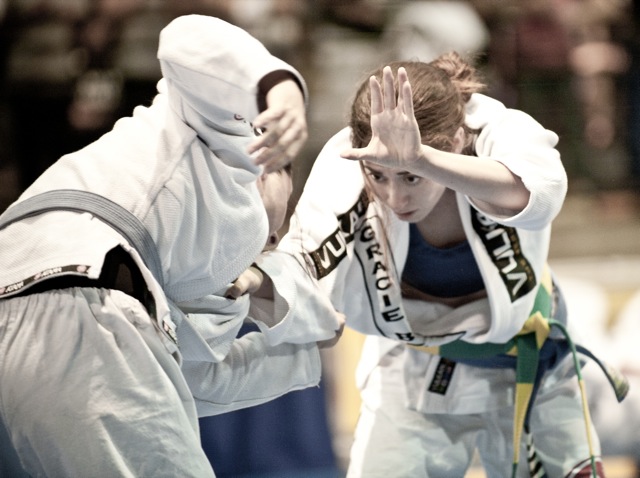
x=412, y=179
x=378, y=178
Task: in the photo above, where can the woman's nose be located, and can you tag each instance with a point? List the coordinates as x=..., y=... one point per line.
x=396, y=197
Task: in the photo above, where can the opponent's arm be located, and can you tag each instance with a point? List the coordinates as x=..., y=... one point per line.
x=213, y=66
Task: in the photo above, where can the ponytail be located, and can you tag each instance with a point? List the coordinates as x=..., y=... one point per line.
x=464, y=76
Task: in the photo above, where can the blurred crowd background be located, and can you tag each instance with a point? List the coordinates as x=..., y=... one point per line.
x=70, y=68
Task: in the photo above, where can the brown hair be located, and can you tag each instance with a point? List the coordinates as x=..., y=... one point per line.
x=440, y=89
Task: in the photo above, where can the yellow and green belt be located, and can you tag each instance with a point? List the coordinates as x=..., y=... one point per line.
x=534, y=352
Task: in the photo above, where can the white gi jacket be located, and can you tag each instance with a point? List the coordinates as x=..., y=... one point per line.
x=180, y=167
x=360, y=265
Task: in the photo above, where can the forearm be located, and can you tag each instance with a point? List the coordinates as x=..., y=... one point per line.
x=489, y=183
x=278, y=87
x=251, y=374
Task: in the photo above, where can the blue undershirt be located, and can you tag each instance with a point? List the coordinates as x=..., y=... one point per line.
x=441, y=272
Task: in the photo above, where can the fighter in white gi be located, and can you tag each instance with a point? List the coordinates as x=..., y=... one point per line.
x=115, y=265
x=434, y=242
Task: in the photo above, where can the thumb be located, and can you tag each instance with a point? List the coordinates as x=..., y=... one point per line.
x=248, y=282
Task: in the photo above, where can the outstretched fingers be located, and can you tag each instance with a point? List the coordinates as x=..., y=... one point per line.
x=405, y=94
x=376, y=95
x=388, y=98
x=394, y=131
x=389, y=88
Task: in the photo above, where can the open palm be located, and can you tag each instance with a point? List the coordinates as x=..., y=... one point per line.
x=395, y=136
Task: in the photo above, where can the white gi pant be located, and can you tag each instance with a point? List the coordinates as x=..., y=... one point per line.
x=394, y=441
x=87, y=389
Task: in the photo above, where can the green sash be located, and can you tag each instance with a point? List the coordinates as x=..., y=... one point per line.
x=525, y=347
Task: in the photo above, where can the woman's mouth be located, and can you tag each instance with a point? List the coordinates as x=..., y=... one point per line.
x=404, y=216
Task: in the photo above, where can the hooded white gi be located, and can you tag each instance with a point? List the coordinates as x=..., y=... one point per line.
x=358, y=251
x=180, y=167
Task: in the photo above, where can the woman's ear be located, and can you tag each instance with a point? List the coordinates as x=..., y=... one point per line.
x=459, y=141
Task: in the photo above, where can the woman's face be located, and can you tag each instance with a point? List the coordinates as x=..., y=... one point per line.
x=410, y=197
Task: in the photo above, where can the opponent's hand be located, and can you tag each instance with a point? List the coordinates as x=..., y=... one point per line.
x=284, y=124
x=248, y=282
x=325, y=344
x=395, y=136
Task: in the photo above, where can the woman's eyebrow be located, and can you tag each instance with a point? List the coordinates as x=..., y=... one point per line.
x=381, y=171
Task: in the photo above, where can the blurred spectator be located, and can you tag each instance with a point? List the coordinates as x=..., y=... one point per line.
x=282, y=25
x=133, y=53
x=44, y=59
x=558, y=60
x=599, y=62
x=424, y=30
x=529, y=56
x=97, y=92
x=632, y=44
x=362, y=15
x=5, y=154
x=74, y=66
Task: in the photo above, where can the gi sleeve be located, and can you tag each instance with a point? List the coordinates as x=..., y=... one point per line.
x=253, y=372
x=528, y=150
x=300, y=311
x=213, y=65
x=226, y=372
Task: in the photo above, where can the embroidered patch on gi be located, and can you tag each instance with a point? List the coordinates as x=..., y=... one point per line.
x=12, y=289
x=334, y=248
x=503, y=246
x=442, y=376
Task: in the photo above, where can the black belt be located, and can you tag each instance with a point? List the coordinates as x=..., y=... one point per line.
x=119, y=272
x=111, y=213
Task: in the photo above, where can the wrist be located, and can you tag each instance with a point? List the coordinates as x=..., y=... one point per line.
x=269, y=81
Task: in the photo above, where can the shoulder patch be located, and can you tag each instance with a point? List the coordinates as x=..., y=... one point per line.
x=503, y=246
x=334, y=248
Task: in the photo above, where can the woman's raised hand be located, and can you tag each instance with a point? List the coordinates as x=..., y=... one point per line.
x=395, y=136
